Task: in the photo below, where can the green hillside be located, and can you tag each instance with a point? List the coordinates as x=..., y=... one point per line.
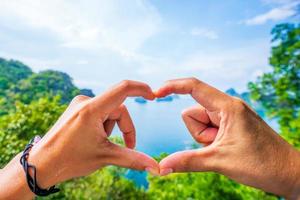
x=18, y=83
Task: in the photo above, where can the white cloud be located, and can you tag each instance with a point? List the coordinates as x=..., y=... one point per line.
x=287, y=9
x=223, y=67
x=203, y=32
x=278, y=1
x=100, y=42
x=226, y=68
x=119, y=26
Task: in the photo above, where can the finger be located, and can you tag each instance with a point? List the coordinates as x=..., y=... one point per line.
x=128, y=158
x=198, y=123
x=109, y=126
x=186, y=161
x=78, y=99
x=208, y=96
x=122, y=117
x=114, y=97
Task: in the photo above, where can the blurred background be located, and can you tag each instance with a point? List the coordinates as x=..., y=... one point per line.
x=51, y=51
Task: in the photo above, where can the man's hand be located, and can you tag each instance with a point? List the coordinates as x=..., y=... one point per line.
x=238, y=143
x=78, y=144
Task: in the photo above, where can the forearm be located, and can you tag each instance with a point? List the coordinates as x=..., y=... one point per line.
x=294, y=166
x=13, y=183
x=278, y=170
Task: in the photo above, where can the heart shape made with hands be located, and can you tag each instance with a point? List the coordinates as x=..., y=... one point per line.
x=237, y=142
x=202, y=124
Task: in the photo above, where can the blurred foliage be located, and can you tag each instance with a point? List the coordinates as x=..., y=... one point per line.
x=201, y=185
x=107, y=184
x=19, y=126
x=279, y=90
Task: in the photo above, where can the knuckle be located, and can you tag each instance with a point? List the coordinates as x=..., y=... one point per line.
x=186, y=161
x=184, y=113
x=239, y=104
x=194, y=80
x=122, y=107
x=168, y=82
x=84, y=112
x=134, y=163
x=80, y=98
x=148, y=88
x=125, y=84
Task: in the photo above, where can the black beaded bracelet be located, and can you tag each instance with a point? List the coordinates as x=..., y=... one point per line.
x=31, y=181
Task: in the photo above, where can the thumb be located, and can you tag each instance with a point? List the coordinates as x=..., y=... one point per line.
x=129, y=158
x=187, y=161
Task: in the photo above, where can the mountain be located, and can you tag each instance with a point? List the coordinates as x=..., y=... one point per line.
x=19, y=83
x=12, y=71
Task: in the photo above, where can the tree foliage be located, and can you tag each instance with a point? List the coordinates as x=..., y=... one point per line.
x=11, y=72
x=28, y=120
x=19, y=83
x=279, y=90
x=201, y=186
x=45, y=83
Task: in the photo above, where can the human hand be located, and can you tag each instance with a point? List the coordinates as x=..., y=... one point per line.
x=238, y=143
x=78, y=143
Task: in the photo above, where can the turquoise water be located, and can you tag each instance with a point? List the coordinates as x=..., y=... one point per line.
x=160, y=129
x=159, y=125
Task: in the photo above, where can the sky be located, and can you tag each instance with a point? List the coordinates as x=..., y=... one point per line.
x=101, y=42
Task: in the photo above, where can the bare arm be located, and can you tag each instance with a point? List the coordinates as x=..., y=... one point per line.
x=13, y=183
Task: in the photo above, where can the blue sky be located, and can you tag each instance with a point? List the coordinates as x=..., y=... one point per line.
x=100, y=42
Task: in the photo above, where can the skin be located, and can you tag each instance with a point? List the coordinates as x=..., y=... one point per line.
x=78, y=144
x=238, y=143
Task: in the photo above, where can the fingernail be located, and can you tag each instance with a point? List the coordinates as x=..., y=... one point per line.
x=166, y=171
x=152, y=171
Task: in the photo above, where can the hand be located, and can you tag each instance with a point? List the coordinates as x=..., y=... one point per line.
x=78, y=143
x=238, y=143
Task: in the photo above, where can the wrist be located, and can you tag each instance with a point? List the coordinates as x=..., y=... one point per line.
x=13, y=181
x=47, y=171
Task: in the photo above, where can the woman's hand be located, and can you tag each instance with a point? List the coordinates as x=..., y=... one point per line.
x=78, y=144
x=238, y=143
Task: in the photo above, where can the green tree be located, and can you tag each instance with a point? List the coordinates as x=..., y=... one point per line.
x=108, y=184
x=46, y=83
x=18, y=127
x=201, y=186
x=279, y=90
x=19, y=83
x=12, y=71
